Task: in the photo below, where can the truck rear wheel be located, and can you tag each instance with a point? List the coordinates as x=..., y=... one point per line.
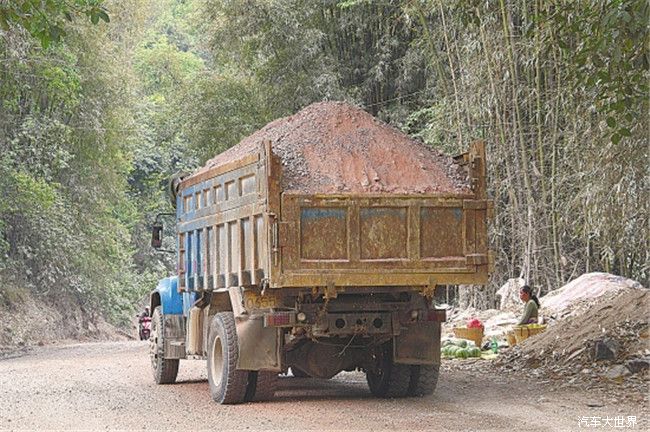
x=164, y=370
x=227, y=384
x=389, y=379
x=424, y=379
x=261, y=386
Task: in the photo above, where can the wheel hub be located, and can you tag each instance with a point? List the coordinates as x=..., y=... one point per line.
x=216, y=367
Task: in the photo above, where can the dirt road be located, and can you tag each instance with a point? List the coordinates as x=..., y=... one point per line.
x=108, y=386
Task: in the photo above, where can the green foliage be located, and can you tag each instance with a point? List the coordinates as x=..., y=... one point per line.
x=66, y=216
x=301, y=52
x=219, y=110
x=428, y=125
x=164, y=68
x=47, y=20
x=606, y=47
x=559, y=91
x=26, y=195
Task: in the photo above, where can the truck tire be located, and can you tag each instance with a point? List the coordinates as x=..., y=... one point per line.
x=424, y=379
x=164, y=370
x=389, y=379
x=261, y=386
x=227, y=384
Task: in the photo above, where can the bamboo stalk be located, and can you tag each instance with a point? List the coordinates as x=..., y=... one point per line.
x=501, y=129
x=453, y=76
x=526, y=266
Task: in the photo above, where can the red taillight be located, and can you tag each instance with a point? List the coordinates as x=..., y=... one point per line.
x=279, y=319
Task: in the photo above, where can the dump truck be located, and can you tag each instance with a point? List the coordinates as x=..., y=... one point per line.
x=296, y=253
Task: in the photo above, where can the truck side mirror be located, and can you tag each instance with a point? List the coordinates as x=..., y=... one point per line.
x=156, y=235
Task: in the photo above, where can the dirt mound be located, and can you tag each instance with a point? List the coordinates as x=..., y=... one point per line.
x=568, y=347
x=331, y=147
x=608, y=316
x=574, y=298
x=509, y=295
x=562, y=301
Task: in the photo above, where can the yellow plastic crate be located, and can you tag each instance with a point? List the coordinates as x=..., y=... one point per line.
x=523, y=332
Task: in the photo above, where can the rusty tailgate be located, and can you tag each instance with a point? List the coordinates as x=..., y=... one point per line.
x=373, y=240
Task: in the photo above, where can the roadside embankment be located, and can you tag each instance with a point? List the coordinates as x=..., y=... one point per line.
x=28, y=320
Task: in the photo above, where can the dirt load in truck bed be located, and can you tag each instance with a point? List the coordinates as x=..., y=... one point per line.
x=333, y=147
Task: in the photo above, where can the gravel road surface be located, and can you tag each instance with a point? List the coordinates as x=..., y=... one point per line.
x=108, y=385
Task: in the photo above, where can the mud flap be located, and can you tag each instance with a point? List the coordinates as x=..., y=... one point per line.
x=174, y=336
x=259, y=346
x=420, y=344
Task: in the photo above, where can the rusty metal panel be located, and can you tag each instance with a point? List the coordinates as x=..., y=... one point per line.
x=219, y=170
x=414, y=237
x=247, y=185
x=324, y=233
x=383, y=232
x=207, y=258
x=181, y=260
x=222, y=238
x=452, y=275
x=251, y=246
x=273, y=175
x=481, y=231
x=233, y=247
x=231, y=190
x=214, y=256
x=226, y=194
x=220, y=225
x=441, y=232
x=470, y=231
x=246, y=242
x=392, y=240
x=261, y=248
x=174, y=340
x=217, y=194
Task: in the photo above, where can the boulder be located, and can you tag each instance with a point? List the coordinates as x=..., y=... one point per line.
x=606, y=349
x=638, y=364
x=617, y=373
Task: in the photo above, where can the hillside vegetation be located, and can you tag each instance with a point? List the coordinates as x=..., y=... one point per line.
x=103, y=100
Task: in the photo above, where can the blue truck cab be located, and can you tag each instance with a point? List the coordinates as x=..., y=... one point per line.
x=170, y=300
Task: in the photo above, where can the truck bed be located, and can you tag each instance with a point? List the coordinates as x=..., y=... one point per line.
x=237, y=227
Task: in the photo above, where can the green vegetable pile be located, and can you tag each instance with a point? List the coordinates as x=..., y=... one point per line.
x=460, y=348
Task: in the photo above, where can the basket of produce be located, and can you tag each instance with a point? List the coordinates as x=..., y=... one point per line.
x=473, y=332
x=512, y=340
x=523, y=332
x=459, y=348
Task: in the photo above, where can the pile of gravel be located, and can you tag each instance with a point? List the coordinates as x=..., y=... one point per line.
x=333, y=147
